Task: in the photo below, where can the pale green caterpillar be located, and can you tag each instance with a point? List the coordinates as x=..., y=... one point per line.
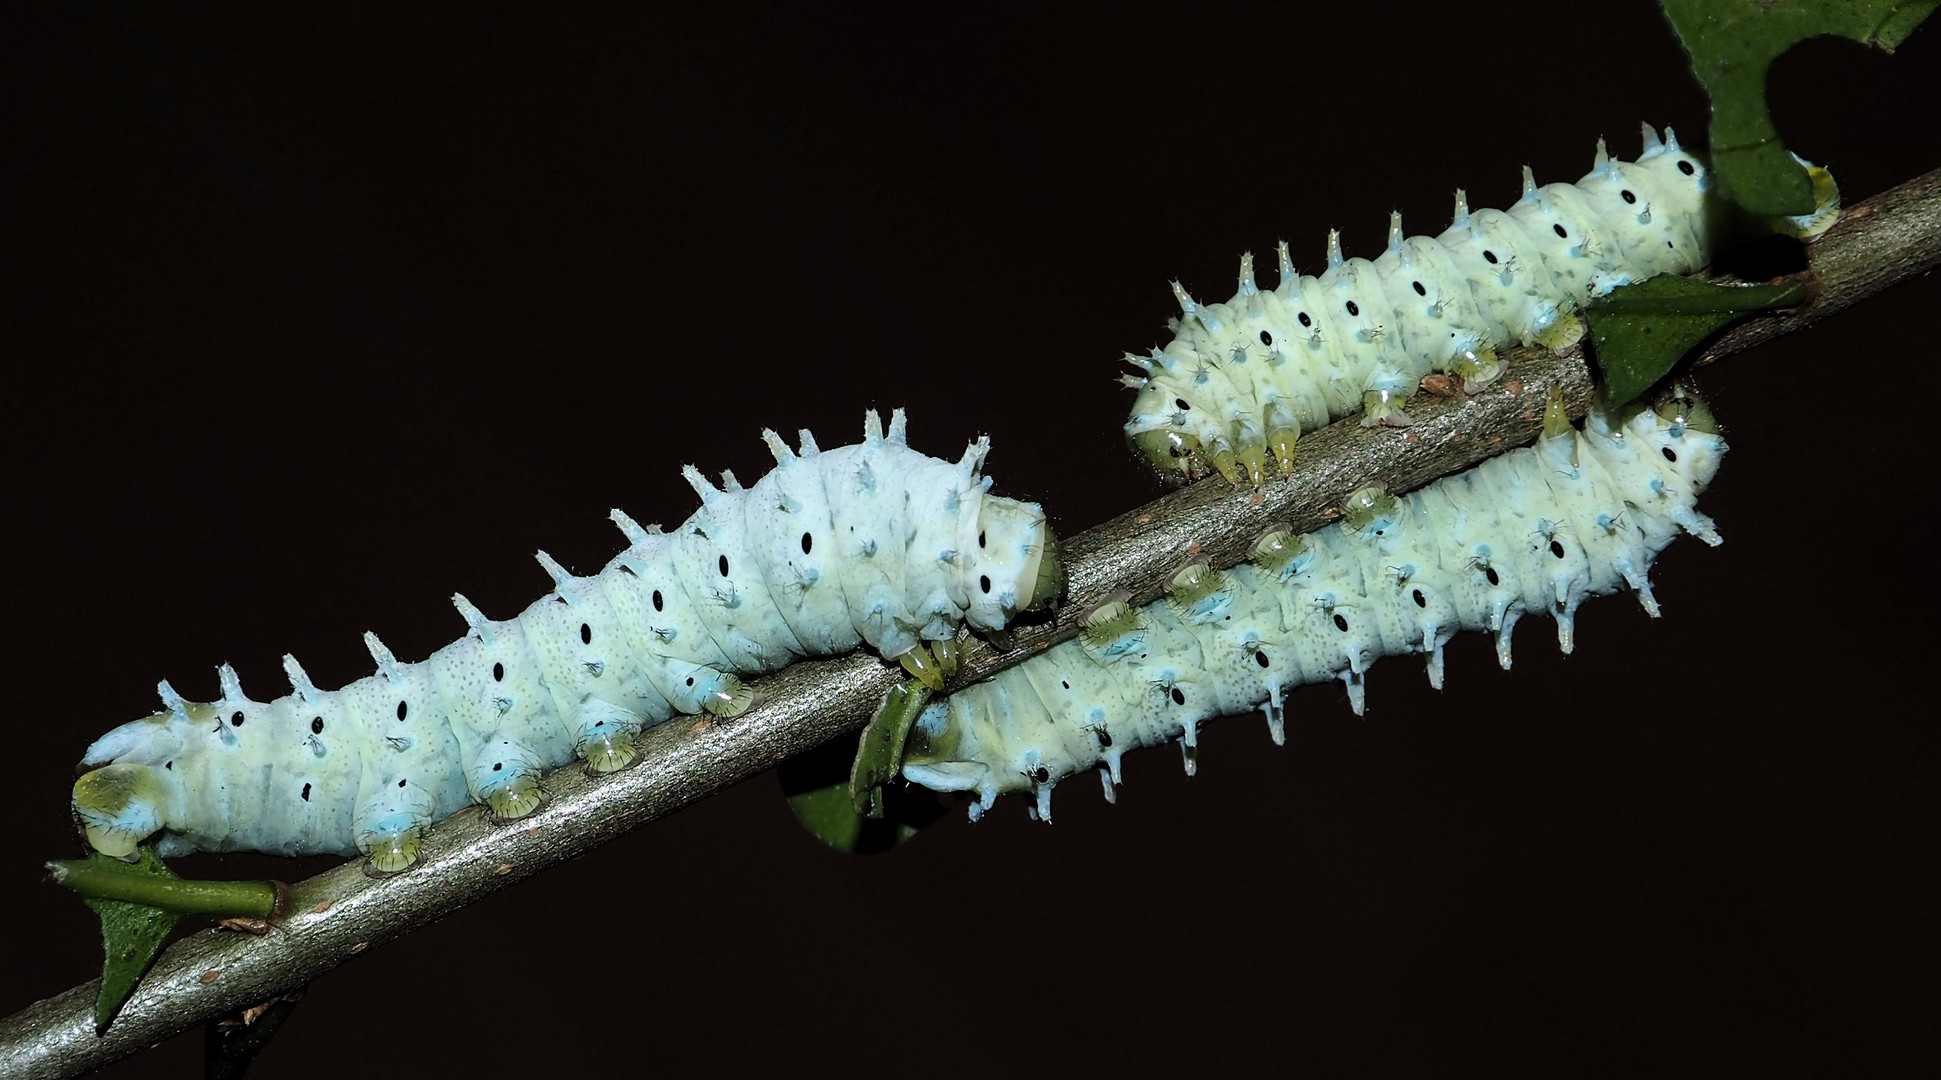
x=1534, y=531
x=870, y=543
x=1242, y=380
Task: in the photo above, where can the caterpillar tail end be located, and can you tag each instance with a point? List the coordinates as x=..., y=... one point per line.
x=119, y=806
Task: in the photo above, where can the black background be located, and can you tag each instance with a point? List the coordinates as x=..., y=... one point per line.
x=326, y=316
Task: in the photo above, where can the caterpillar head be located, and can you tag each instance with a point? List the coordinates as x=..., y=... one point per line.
x=1687, y=435
x=1161, y=433
x=121, y=805
x=1014, y=565
x=1678, y=430
x=131, y=789
x=1672, y=163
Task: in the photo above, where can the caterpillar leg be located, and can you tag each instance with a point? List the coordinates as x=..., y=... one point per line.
x=1041, y=809
x=505, y=778
x=392, y=841
x=1357, y=690
x=696, y=688
x=946, y=652
x=923, y=667
x=1503, y=635
x=1640, y=584
x=1283, y=431
x=1251, y=454
x=1477, y=367
x=1276, y=715
x=1432, y=645
x=1559, y=331
x=1698, y=525
x=1242, y=457
x=389, y=823
x=119, y=807
x=932, y=757
x=605, y=737
x=394, y=846
x=1385, y=408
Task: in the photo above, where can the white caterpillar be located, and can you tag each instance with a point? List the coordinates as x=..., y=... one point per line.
x=1536, y=530
x=866, y=543
x=1245, y=378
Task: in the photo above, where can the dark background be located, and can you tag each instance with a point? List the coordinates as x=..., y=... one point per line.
x=326, y=316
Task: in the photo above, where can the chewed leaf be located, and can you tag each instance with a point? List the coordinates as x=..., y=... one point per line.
x=819, y=785
x=1642, y=330
x=880, y=753
x=826, y=812
x=1733, y=43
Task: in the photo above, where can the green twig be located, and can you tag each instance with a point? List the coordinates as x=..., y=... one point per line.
x=220, y=899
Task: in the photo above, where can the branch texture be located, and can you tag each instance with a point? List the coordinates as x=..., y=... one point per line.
x=338, y=914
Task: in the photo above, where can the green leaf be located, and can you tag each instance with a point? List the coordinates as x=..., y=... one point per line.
x=132, y=935
x=842, y=791
x=1733, y=43
x=230, y=1044
x=139, y=904
x=1642, y=330
x=826, y=812
x=880, y=753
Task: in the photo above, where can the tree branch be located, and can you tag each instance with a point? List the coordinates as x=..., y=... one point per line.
x=338, y=914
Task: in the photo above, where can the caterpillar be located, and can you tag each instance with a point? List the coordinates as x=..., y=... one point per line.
x=871, y=542
x=1537, y=530
x=1244, y=379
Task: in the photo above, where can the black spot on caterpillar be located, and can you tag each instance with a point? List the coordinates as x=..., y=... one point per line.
x=1534, y=531
x=917, y=548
